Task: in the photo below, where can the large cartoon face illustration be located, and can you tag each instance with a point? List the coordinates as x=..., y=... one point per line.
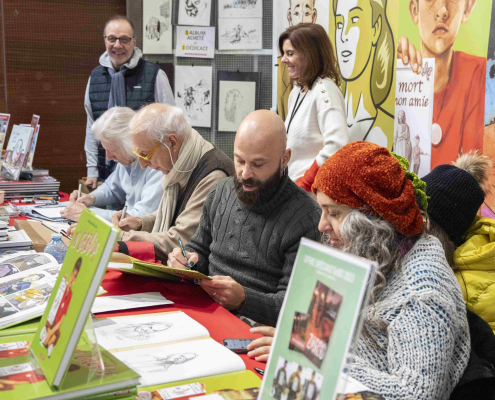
x=439, y=21
x=301, y=11
x=355, y=36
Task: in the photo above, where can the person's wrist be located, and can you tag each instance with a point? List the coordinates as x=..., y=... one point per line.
x=140, y=223
x=91, y=200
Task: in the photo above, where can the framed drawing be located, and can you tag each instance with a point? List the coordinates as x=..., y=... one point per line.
x=195, y=12
x=240, y=8
x=193, y=87
x=240, y=34
x=238, y=95
x=157, y=26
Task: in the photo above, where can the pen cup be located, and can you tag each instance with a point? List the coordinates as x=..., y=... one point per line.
x=2, y=196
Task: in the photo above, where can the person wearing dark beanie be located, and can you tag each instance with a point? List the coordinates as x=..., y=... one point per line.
x=456, y=193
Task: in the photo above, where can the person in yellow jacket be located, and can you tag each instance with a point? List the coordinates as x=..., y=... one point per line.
x=456, y=193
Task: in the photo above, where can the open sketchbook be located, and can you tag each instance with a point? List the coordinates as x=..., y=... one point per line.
x=124, y=263
x=165, y=347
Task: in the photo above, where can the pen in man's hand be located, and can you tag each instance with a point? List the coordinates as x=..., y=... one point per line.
x=184, y=253
x=123, y=212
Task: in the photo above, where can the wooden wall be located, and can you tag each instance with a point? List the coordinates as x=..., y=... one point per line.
x=50, y=48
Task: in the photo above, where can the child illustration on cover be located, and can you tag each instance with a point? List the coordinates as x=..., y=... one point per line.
x=460, y=78
x=51, y=332
x=416, y=155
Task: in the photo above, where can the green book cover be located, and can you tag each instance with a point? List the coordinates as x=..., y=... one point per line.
x=87, y=376
x=73, y=294
x=318, y=321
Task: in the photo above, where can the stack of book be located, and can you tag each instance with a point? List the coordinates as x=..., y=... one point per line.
x=16, y=240
x=39, y=186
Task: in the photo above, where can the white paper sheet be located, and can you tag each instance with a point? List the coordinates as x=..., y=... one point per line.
x=240, y=34
x=125, y=302
x=240, y=8
x=157, y=26
x=50, y=212
x=124, y=332
x=193, y=88
x=194, y=41
x=236, y=100
x=195, y=12
x=181, y=361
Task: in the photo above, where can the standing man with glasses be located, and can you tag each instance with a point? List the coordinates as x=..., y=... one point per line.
x=122, y=79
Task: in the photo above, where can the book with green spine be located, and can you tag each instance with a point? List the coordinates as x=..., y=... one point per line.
x=73, y=294
x=86, y=378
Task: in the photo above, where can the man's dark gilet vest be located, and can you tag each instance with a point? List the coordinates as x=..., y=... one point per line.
x=213, y=160
x=143, y=76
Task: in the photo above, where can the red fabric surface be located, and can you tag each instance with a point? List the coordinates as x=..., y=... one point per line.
x=187, y=297
x=144, y=251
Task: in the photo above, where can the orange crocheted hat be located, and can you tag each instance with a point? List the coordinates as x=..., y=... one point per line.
x=364, y=173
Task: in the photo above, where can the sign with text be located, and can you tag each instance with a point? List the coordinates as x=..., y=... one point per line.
x=413, y=130
x=195, y=41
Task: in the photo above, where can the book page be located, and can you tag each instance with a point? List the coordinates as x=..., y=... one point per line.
x=128, y=301
x=180, y=361
x=125, y=333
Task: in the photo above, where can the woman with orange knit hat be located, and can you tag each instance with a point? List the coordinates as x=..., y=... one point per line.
x=415, y=341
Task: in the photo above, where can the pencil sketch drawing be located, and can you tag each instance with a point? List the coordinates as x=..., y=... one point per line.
x=240, y=8
x=194, y=12
x=234, y=110
x=154, y=28
x=239, y=33
x=236, y=100
x=148, y=363
x=141, y=331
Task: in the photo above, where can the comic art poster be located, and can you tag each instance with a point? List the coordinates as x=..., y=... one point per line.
x=489, y=131
x=455, y=33
x=413, y=115
x=364, y=36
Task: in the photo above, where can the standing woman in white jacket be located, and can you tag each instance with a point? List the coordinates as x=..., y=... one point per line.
x=316, y=120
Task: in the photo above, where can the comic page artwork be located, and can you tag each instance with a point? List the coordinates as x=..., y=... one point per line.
x=180, y=361
x=240, y=8
x=157, y=26
x=193, y=86
x=194, y=12
x=113, y=333
x=240, y=34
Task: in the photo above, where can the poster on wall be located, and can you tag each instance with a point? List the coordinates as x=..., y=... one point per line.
x=157, y=26
x=194, y=41
x=365, y=43
x=240, y=34
x=194, y=12
x=193, y=86
x=488, y=209
x=413, y=115
x=460, y=69
x=240, y=8
x=238, y=95
x=288, y=13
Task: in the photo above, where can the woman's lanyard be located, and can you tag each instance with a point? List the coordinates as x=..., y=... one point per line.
x=295, y=109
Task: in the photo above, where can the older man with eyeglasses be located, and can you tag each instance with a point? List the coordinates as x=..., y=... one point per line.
x=122, y=79
x=164, y=141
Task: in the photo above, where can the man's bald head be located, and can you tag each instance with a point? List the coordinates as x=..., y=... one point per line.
x=260, y=156
x=262, y=129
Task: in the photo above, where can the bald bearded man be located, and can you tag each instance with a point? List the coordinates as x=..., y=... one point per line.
x=252, y=224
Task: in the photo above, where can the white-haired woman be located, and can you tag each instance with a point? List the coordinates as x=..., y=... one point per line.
x=164, y=141
x=129, y=185
x=415, y=343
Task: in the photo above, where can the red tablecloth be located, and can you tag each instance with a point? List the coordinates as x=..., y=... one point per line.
x=187, y=297
x=63, y=197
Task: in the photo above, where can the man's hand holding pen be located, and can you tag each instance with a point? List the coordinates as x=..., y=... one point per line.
x=223, y=289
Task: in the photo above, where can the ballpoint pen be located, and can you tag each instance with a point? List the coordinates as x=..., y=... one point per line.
x=184, y=253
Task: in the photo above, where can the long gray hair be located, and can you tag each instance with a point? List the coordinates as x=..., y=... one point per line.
x=371, y=237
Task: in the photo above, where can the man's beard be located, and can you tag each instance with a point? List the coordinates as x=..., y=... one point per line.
x=264, y=190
